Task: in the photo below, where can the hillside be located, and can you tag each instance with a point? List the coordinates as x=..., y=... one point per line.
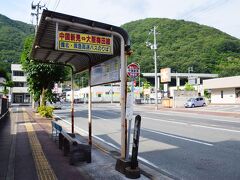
x=12, y=35
x=183, y=44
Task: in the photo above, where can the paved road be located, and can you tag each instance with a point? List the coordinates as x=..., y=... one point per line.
x=185, y=145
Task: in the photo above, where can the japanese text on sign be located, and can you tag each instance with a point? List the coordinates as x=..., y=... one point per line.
x=106, y=72
x=133, y=70
x=84, y=42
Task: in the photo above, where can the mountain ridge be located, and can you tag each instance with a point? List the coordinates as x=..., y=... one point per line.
x=180, y=44
x=183, y=44
x=12, y=35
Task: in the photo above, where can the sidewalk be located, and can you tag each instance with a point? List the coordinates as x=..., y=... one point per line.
x=28, y=152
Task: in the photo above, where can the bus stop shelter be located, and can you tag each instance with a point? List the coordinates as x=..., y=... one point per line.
x=63, y=39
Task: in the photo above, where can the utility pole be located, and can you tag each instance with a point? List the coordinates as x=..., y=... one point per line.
x=154, y=47
x=155, y=62
x=37, y=8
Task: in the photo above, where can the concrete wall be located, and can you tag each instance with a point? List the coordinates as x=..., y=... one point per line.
x=229, y=96
x=19, y=78
x=181, y=97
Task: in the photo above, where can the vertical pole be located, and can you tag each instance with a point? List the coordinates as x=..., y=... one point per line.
x=136, y=135
x=155, y=62
x=111, y=93
x=89, y=109
x=130, y=118
x=82, y=81
x=56, y=37
x=139, y=85
x=72, y=101
x=123, y=101
x=38, y=6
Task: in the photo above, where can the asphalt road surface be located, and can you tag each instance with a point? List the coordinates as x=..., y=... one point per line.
x=184, y=145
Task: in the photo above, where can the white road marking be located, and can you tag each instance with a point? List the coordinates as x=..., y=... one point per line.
x=100, y=118
x=169, y=121
x=195, y=125
x=149, y=163
x=216, y=128
x=178, y=137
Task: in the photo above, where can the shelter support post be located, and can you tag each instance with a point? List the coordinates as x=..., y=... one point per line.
x=72, y=101
x=122, y=162
x=123, y=101
x=90, y=110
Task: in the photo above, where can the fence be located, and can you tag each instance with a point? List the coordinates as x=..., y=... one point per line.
x=3, y=106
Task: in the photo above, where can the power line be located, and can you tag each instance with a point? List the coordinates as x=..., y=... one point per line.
x=203, y=9
x=57, y=5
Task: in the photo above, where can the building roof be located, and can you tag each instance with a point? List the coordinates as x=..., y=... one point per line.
x=44, y=45
x=185, y=75
x=220, y=83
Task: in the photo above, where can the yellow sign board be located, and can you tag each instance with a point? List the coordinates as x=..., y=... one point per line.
x=70, y=41
x=166, y=75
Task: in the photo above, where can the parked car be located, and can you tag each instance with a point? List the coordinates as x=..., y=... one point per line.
x=195, y=102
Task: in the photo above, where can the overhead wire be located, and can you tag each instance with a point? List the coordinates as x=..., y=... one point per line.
x=57, y=5
x=203, y=9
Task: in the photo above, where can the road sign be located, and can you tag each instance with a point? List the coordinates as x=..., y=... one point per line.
x=166, y=75
x=133, y=70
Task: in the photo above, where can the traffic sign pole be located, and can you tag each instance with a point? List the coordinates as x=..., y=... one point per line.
x=133, y=73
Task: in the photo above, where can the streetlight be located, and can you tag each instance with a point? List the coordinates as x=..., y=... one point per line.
x=154, y=47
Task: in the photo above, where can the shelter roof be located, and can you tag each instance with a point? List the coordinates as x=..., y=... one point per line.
x=44, y=44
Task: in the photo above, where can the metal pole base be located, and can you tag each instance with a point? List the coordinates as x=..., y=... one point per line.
x=132, y=173
x=122, y=164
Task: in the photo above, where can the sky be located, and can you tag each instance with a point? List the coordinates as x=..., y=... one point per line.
x=221, y=14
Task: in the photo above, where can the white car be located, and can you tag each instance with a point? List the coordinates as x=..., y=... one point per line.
x=195, y=102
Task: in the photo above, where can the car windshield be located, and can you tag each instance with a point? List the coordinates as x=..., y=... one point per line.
x=190, y=100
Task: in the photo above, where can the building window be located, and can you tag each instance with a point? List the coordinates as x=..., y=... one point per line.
x=221, y=94
x=237, y=92
x=18, y=73
x=19, y=84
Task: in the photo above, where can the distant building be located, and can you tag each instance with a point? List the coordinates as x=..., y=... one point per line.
x=99, y=94
x=2, y=81
x=19, y=92
x=224, y=90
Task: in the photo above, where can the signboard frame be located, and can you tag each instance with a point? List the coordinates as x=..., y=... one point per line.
x=82, y=42
x=106, y=72
x=165, y=75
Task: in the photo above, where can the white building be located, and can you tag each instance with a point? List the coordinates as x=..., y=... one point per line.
x=224, y=90
x=99, y=94
x=19, y=90
x=2, y=81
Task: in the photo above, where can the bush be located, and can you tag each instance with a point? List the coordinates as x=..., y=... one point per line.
x=45, y=111
x=189, y=87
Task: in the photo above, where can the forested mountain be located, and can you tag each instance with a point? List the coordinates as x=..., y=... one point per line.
x=182, y=44
x=12, y=35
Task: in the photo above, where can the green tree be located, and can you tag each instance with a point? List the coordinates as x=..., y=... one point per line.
x=188, y=87
x=183, y=44
x=40, y=76
x=8, y=83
